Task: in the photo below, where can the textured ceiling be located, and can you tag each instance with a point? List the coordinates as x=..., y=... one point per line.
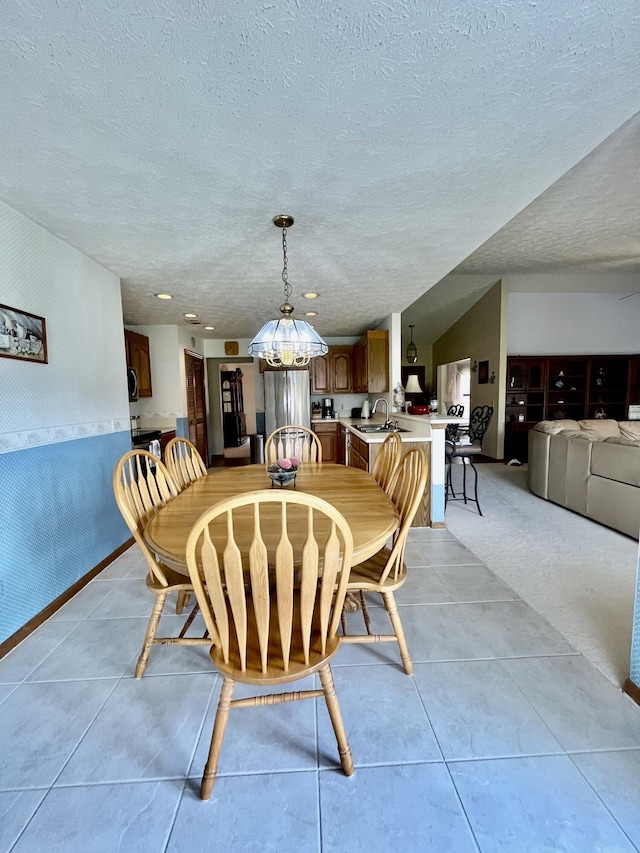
x=582, y=234
x=401, y=136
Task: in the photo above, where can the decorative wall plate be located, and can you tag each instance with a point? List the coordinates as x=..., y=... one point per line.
x=231, y=348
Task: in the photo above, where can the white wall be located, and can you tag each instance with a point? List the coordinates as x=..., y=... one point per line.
x=63, y=425
x=84, y=382
x=572, y=323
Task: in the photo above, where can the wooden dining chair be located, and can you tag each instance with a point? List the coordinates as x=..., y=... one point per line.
x=386, y=461
x=272, y=605
x=288, y=441
x=386, y=571
x=142, y=487
x=184, y=462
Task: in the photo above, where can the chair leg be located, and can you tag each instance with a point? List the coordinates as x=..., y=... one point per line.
x=464, y=478
x=326, y=679
x=475, y=487
x=365, y=612
x=217, y=736
x=183, y=600
x=449, y=481
x=396, y=622
x=149, y=637
x=189, y=621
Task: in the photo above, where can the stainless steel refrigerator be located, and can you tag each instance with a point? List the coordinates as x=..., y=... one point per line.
x=287, y=399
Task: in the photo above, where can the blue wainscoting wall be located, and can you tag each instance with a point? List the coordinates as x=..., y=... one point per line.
x=182, y=427
x=58, y=520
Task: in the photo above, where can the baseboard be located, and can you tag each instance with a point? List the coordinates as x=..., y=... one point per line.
x=632, y=690
x=439, y=525
x=12, y=641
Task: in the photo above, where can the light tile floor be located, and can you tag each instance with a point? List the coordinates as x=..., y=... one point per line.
x=505, y=739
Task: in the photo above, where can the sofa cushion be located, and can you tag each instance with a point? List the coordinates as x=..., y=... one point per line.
x=626, y=442
x=554, y=427
x=599, y=427
x=582, y=434
x=629, y=429
x=616, y=460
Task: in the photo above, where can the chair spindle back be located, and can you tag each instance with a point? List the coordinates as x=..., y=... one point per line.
x=286, y=591
x=289, y=441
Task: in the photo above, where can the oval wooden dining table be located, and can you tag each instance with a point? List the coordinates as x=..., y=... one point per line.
x=368, y=510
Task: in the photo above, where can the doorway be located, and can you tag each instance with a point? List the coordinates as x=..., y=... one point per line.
x=196, y=402
x=454, y=384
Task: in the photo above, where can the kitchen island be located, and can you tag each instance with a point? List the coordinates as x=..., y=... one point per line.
x=427, y=432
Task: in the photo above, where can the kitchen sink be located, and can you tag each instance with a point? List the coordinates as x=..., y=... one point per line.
x=378, y=428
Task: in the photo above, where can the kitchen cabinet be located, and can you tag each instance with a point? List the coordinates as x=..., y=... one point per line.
x=137, y=349
x=341, y=447
x=371, y=362
x=327, y=433
x=340, y=369
x=331, y=373
x=358, y=453
x=319, y=370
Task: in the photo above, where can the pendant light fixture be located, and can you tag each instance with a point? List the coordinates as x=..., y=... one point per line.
x=412, y=350
x=287, y=342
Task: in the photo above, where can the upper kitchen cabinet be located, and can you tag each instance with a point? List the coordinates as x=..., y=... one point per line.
x=371, y=362
x=331, y=373
x=137, y=348
x=341, y=368
x=319, y=368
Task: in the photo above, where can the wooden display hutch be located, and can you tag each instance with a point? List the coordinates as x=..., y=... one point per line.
x=233, y=417
x=558, y=387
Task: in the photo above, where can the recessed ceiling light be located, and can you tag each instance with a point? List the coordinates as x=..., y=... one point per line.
x=164, y=296
x=310, y=313
x=189, y=316
x=209, y=328
x=310, y=295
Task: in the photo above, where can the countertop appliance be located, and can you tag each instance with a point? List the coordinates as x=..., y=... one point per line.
x=327, y=407
x=287, y=399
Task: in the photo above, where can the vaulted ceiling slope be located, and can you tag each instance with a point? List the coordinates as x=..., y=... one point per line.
x=581, y=235
x=161, y=139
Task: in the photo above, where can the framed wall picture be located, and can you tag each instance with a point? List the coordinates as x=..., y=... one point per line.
x=483, y=372
x=22, y=335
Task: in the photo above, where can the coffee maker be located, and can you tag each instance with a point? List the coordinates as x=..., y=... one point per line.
x=327, y=407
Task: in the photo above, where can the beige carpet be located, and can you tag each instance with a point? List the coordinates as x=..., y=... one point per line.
x=576, y=573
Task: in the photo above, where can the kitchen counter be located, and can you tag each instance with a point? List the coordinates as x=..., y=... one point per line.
x=428, y=430
x=419, y=427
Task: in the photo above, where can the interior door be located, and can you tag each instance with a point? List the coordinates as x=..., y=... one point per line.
x=196, y=406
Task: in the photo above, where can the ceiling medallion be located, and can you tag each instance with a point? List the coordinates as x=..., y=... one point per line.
x=286, y=342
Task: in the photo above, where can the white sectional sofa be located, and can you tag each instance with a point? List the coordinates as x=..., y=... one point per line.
x=591, y=467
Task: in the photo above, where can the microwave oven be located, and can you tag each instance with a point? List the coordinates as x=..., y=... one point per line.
x=132, y=381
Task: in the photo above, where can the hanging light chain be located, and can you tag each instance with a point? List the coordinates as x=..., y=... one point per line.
x=285, y=271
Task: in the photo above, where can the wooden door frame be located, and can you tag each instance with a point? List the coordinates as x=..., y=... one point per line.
x=196, y=356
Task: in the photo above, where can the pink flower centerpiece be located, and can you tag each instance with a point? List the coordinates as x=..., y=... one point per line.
x=283, y=471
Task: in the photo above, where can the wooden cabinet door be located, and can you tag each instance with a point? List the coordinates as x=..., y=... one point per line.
x=341, y=445
x=340, y=360
x=360, y=367
x=328, y=436
x=328, y=440
x=137, y=348
x=196, y=408
x=377, y=361
x=320, y=375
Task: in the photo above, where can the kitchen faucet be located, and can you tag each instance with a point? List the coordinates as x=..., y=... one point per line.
x=387, y=422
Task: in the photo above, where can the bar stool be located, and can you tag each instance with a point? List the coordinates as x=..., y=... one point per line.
x=454, y=449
